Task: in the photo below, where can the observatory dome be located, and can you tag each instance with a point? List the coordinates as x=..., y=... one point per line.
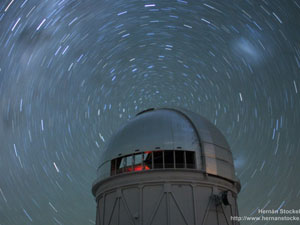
x=163, y=129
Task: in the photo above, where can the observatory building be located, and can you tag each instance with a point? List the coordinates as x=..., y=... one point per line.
x=166, y=167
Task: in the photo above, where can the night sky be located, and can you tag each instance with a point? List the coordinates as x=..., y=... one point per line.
x=71, y=72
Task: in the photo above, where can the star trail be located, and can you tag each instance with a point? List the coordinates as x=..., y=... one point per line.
x=72, y=72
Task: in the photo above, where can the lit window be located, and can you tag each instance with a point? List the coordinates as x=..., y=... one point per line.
x=138, y=162
x=163, y=159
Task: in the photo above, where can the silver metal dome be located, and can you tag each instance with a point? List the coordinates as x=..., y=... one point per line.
x=172, y=129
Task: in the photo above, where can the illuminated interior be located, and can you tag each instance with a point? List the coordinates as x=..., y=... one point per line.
x=162, y=159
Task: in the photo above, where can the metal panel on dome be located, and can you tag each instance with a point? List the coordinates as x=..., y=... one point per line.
x=207, y=131
x=172, y=129
x=215, y=149
x=159, y=129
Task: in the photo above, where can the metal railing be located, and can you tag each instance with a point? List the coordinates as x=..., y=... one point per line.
x=149, y=160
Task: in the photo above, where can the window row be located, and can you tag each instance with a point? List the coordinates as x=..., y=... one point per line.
x=153, y=160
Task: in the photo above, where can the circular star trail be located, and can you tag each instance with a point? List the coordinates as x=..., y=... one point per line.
x=71, y=72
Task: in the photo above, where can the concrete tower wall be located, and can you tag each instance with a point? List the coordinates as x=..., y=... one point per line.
x=162, y=198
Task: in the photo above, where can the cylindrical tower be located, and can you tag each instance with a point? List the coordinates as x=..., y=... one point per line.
x=166, y=167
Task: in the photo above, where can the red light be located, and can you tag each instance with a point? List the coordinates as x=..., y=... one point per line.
x=138, y=168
